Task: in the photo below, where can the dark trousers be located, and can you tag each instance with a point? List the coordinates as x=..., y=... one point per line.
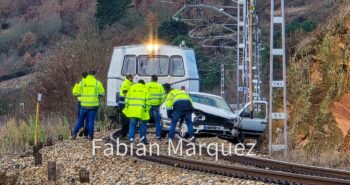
x=85, y=131
x=124, y=121
x=90, y=114
x=143, y=129
x=156, y=116
x=177, y=115
x=125, y=124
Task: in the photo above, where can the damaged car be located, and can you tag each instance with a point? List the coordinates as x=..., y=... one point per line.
x=213, y=115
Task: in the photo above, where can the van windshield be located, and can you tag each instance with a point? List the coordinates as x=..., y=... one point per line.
x=153, y=65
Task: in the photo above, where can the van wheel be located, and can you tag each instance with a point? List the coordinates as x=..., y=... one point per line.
x=183, y=130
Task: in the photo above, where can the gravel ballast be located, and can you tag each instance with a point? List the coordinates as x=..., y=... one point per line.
x=72, y=156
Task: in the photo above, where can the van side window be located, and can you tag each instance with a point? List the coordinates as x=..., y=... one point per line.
x=153, y=65
x=177, y=66
x=129, y=65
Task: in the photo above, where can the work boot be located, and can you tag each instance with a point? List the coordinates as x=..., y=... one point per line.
x=130, y=141
x=90, y=138
x=73, y=137
x=192, y=139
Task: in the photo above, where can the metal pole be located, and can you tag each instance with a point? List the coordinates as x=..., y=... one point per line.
x=37, y=119
x=284, y=79
x=246, y=54
x=238, y=51
x=251, y=87
x=271, y=76
x=278, y=51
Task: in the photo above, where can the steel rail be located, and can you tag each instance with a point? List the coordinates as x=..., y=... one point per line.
x=281, y=165
x=265, y=175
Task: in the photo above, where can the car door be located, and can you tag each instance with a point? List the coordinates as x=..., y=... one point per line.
x=258, y=124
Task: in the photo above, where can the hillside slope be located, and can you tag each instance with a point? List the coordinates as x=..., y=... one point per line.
x=319, y=72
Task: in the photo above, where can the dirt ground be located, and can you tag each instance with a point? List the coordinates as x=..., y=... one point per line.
x=341, y=112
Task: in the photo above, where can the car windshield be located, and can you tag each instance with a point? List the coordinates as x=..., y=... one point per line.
x=210, y=101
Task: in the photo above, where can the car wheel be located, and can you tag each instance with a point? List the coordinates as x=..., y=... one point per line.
x=259, y=143
x=241, y=138
x=183, y=130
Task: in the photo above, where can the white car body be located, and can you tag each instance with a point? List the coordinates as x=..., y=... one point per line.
x=237, y=124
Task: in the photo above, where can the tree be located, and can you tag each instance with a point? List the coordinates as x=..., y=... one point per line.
x=110, y=11
x=169, y=30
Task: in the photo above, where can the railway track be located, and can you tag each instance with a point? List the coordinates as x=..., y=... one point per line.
x=282, y=165
x=280, y=172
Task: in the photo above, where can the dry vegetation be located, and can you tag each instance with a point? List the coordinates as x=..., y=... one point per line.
x=319, y=71
x=30, y=28
x=17, y=134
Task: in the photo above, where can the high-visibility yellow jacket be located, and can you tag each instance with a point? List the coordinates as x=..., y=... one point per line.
x=75, y=90
x=156, y=93
x=136, y=102
x=89, y=91
x=125, y=87
x=178, y=100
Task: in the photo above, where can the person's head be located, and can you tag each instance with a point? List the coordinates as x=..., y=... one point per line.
x=92, y=72
x=154, y=78
x=84, y=74
x=141, y=82
x=167, y=87
x=129, y=77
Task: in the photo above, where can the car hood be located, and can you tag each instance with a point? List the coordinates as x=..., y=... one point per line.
x=214, y=111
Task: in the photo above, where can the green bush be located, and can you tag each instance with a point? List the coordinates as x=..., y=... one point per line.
x=169, y=30
x=178, y=40
x=306, y=26
x=110, y=11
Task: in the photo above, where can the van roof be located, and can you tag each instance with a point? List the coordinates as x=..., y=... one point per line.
x=161, y=45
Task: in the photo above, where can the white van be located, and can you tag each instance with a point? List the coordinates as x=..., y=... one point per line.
x=174, y=65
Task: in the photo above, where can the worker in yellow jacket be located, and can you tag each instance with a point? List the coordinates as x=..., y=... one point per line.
x=137, y=110
x=89, y=92
x=124, y=88
x=179, y=104
x=75, y=92
x=157, y=97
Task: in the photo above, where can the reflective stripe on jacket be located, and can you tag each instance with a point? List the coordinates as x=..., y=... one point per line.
x=136, y=102
x=156, y=93
x=90, y=90
x=178, y=100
